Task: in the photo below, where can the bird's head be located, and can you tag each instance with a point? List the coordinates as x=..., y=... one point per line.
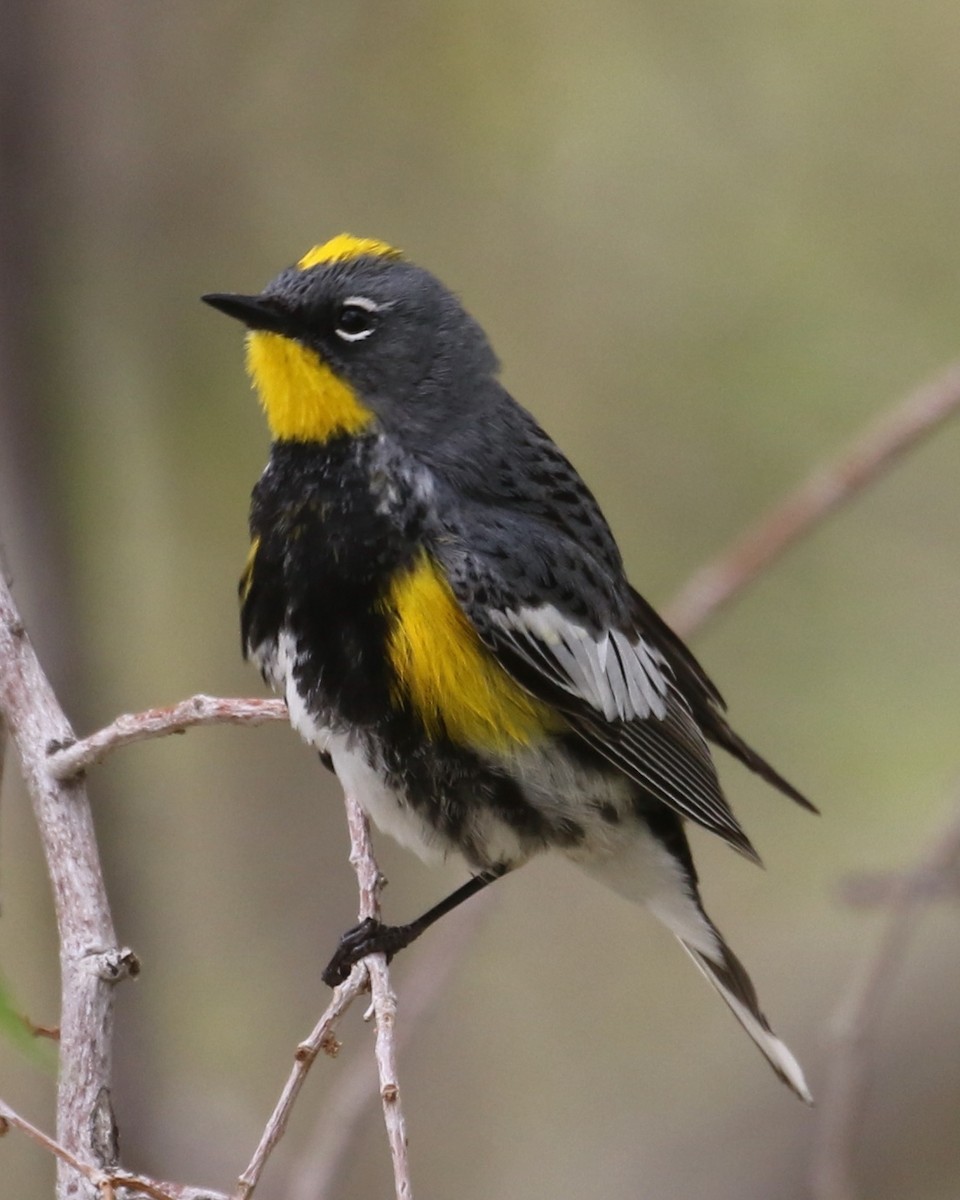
x=355, y=334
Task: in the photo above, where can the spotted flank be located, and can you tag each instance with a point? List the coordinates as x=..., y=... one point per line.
x=435, y=592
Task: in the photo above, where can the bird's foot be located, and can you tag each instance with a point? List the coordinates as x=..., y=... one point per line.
x=369, y=937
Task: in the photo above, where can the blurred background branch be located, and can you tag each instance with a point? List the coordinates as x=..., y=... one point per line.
x=854, y=1027
x=836, y=483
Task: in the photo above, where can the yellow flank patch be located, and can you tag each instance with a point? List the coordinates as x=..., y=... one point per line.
x=303, y=399
x=445, y=673
x=246, y=578
x=344, y=247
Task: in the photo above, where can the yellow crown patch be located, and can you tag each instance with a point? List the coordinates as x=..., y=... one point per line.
x=343, y=247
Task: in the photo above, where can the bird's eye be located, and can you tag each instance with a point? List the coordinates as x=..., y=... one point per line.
x=357, y=319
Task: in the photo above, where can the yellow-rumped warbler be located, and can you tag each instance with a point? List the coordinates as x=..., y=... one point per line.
x=436, y=593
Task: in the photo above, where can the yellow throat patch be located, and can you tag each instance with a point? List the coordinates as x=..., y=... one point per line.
x=304, y=401
x=447, y=675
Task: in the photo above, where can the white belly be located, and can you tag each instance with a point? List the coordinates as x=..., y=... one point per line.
x=358, y=777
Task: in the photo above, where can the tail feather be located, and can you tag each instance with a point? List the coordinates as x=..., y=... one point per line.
x=729, y=977
x=718, y=731
x=655, y=869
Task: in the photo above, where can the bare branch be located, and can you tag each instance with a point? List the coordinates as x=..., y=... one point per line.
x=320, y=1039
x=70, y=760
x=371, y=971
x=95, y=1175
x=316, y=1173
x=3, y=753
x=875, y=450
x=384, y=1000
x=40, y=1031
x=858, y=1014
x=91, y=962
x=105, y=1182
x=875, y=889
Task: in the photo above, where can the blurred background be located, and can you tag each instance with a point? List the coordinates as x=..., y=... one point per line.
x=709, y=242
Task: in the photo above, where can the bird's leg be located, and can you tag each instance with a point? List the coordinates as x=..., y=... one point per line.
x=373, y=937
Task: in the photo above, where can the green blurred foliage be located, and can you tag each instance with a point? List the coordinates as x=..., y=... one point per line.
x=17, y=1034
x=709, y=242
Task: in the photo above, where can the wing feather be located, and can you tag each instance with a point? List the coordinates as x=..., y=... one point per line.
x=617, y=675
x=619, y=694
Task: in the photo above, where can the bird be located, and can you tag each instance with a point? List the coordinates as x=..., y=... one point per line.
x=437, y=595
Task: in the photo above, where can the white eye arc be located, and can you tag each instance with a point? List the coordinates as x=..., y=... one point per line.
x=356, y=320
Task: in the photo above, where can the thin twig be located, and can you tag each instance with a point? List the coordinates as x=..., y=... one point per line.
x=51, y=1032
x=371, y=972
x=70, y=760
x=822, y=493
x=320, y=1039
x=94, y=1174
x=315, y=1174
x=370, y=882
x=855, y=1021
x=106, y=1182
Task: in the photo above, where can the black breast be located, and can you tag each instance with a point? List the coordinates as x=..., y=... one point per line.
x=333, y=526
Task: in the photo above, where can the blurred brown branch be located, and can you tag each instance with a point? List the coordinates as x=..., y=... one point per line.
x=876, y=889
x=854, y=1024
x=870, y=455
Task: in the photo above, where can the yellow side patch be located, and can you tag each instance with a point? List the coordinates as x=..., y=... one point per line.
x=303, y=399
x=451, y=680
x=344, y=247
x=246, y=577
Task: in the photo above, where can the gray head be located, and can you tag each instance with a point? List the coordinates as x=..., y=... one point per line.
x=355, y=331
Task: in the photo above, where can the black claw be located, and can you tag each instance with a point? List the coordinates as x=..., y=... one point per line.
x=350, y=949
x=369, y=937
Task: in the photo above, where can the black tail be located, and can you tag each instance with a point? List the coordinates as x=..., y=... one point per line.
x=705, y=700
x=728, y=976
x=718, y=731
